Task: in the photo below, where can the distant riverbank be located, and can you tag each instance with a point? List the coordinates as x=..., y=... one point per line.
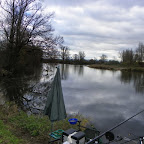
x=117, y=67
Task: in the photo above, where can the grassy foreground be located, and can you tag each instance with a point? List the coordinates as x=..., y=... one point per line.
x=16, y=127
x=117, y=67
x=6, y=135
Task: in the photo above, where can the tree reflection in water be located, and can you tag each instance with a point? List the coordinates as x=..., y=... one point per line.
x=64, y=71
x=137, y=78
x=66, y=68
x=27, y=90
x=79, y=69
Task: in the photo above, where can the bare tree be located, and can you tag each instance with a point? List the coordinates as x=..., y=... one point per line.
x=140, y=53
x=24, y=24
x=76, y=57
x=127, y=56
x=64, y=52
x=103, y=57
x=81, y=55
x=50, y=47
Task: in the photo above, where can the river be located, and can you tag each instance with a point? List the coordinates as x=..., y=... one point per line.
x=105, y=97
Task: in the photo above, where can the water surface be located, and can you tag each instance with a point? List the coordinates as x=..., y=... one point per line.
x=106, y=97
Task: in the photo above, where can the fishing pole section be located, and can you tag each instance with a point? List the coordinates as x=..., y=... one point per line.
x=79, y=137
x=109, y=131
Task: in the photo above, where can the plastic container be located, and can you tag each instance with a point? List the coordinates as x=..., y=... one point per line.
x=73, y=121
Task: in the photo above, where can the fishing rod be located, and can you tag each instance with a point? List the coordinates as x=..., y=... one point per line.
x=130, y=140
x=96, y=138
x=141, y=140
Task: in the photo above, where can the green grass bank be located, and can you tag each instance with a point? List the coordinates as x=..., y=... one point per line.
x=117, y=67
x=16, y=127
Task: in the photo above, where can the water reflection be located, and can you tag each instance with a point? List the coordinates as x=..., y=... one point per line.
x=79, y=69
x=15, y=87
x=137, y=78
x=34, y=100
x=64, y=71
x=106, y=97
x=27, y=90
x=48, y=72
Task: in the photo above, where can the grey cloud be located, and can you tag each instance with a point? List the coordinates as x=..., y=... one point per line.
x=68, y=2
x=120, y=3
x=121, y=30
x=98, y=26
x=116, y=16
x=126, y=3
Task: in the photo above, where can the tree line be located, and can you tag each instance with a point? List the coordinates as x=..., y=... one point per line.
x=132, y=57
x=26, y=35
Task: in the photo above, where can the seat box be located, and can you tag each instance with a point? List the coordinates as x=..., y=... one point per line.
x=67, y=133
x=78, y=138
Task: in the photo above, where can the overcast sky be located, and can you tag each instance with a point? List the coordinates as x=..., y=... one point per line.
x=98, y=26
